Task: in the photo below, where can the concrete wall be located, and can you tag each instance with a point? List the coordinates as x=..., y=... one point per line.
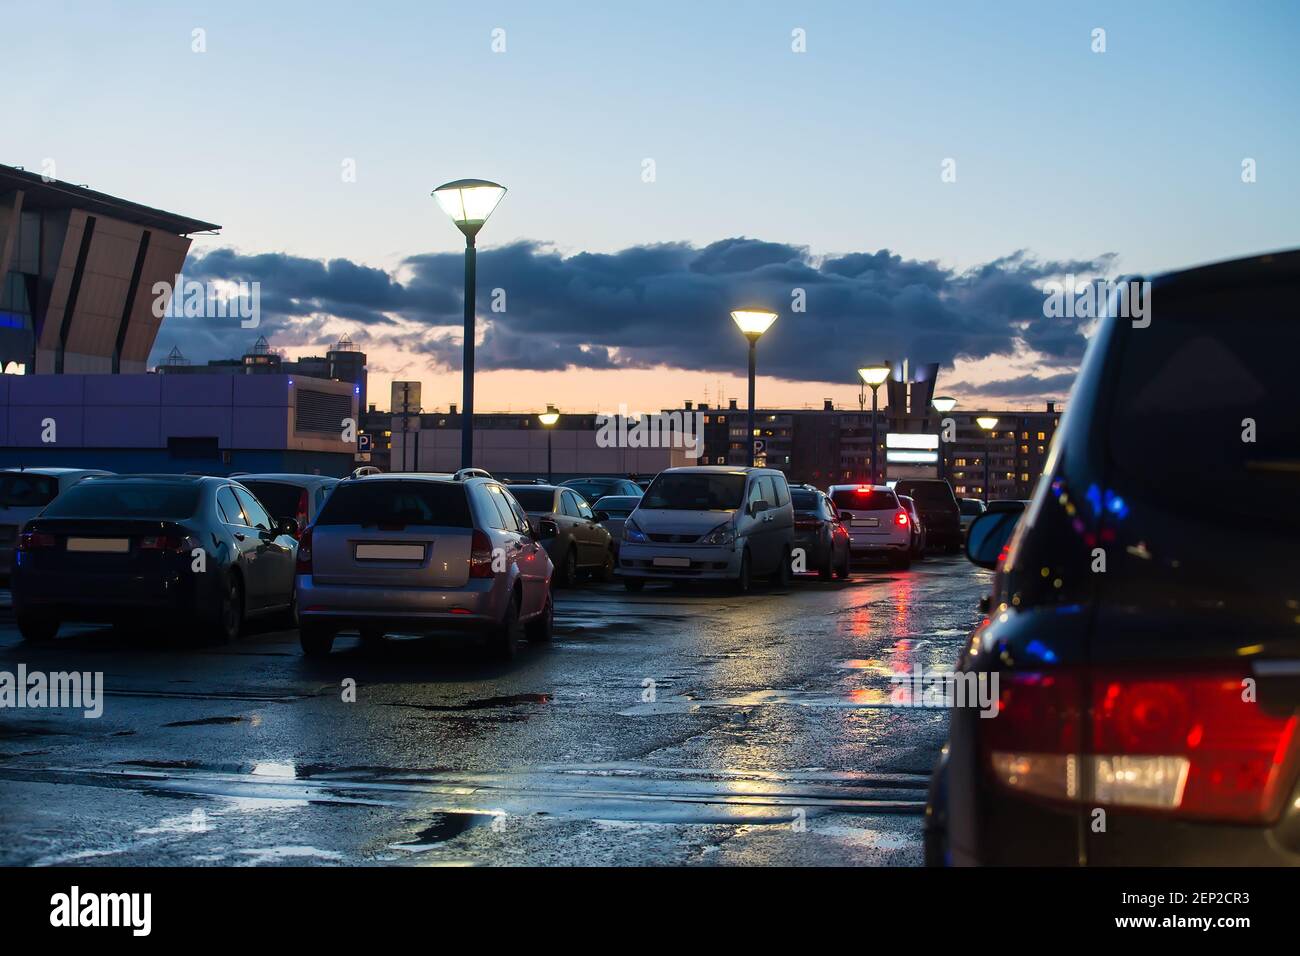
x=519, y=451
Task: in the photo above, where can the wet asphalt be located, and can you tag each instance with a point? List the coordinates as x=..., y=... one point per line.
x=670, y=727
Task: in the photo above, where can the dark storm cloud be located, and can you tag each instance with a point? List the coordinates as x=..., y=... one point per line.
x=1023, y=386
x=646, y=306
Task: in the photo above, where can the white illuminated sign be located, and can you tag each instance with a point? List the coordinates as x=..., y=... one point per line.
x=911, y=440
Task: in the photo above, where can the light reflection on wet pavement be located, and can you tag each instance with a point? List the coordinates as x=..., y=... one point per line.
x=669, y=727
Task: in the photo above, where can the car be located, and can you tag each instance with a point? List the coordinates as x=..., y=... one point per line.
x=820, y=533
x=1007, y=504
x=938, y=508
x=416, y=552
x=24, y=492
x=971, y=508
x=197, y=553
x=616, y=508
x=918, y=527
x=710, y=523
x=643, y=483
x=878, y=525
x=574, y=537
x=1145, y=645
x=595, y=488
x=290, y=496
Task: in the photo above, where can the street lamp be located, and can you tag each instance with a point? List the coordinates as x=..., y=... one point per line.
x=943, y=404
x=548, y=419
x=988, y=423
x=752, y=322
x=875, y=376
x=469, y=203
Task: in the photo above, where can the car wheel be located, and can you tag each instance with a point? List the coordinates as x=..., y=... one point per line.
x=827, y=570
x=743, y=583
x=541, y=629
x=37, y=627
x=843, y=571
x=569, y=569
x=228, y=620
x=607, y=570
x=781, y=576
x=316, y=638
x=503, y=641
x=634, y=584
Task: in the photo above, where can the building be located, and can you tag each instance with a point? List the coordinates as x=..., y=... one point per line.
x=1017, y=450
x=78, y=270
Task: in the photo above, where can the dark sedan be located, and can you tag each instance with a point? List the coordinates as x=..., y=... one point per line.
x=593, y=489
x=818, y=531
x=570, y=531
x=191, y=552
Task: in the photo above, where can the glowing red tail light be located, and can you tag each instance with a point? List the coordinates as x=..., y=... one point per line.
x=303, y=565
x=806, y=524
x=480, y=555
x=900, y=519
x=1193, y=745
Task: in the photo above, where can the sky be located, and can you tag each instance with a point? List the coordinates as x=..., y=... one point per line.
x=314, y=132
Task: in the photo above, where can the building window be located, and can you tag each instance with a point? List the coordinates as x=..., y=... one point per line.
x=1042, y=436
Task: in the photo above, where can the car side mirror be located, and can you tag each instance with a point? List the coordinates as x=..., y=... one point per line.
x=758, y=507
x=987, y=537
x=546, y=528
x=288, y=526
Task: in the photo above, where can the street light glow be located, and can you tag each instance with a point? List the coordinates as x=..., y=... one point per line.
x=943, y=404
x=987, y=423
x=469, y=202
x=753, y=322
x=875, y=375
x=548, y=418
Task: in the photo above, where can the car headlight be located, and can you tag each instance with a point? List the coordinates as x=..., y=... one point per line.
x=632, y=533
x=724, y=533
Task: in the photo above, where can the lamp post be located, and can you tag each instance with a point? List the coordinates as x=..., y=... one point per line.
x=752, y=322
x=943, y=405
x=875, y=376
x=548, y=419
x=468, y=202
x=988, y=423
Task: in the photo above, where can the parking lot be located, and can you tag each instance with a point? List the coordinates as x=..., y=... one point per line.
x=671, y=726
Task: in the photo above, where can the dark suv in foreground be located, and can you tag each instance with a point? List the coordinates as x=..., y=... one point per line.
x=1144, y=622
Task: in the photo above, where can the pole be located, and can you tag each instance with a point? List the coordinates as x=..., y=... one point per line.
x=549, y=479
x=467, y=393
x=753, y=348
x=988, y=447
x=875, y=441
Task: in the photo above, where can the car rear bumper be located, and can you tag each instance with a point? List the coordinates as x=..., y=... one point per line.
x=480, y=603
x=703, y=563
x=111, y=597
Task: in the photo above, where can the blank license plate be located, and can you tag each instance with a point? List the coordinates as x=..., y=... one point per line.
x=672, y=562
x=390, y=552
x=866, y=522
x=100, y=545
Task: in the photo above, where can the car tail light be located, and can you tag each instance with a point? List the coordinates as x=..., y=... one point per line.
x=303, y=565
x=480, y=555
x=806, y=523
x=36, y=540
x=163, y=542
x=900, y=519
x=301, y=515
x=1185, y=744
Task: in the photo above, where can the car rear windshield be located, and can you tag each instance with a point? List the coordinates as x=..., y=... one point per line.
x=126, y=499
x=616, y=506
x=1205, y=406
x=279, y=499
x=537, y=500
x=803, y=500
x=871, y=500
x=969, y=506
x=370, y=502
x=929, y=495
x=19, y=490
x=694, y=492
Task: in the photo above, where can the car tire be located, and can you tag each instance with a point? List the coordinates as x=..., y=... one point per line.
x=744, y=583
x=780, y=578
x=227, y=621
x=607, y=569
x=568, y=575
x=504, y=638
x=827, y=570
x=316, y=639
x=845, y=568
x=37, y=628
x=634, y=584
x=541, y=629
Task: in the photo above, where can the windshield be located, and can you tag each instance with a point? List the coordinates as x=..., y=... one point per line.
x=537, y=500
x=803, y=500
x=20, y=490
x=694, y=492
x=616, y=506
x=371, y=502
x=872, y=500
x=126, y=499
x=277, y=498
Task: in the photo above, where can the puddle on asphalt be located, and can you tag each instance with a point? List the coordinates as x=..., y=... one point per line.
x=486, y=703
x=206, y=721
x=866, y=697
x=444, y=828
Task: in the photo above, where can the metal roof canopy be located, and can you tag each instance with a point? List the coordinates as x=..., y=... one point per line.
x=60, y=195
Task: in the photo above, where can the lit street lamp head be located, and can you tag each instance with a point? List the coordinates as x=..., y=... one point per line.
x=987, y=422
x=943, y=404
x=469, y=202
x=875, y=375
x=753, y=322
x=548, y=418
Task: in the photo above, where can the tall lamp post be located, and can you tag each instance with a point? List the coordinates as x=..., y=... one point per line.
x=468, y=202
x=875, y=376
x=943, y=405
x=753, y=322
x=988, y=423
x=548, y=419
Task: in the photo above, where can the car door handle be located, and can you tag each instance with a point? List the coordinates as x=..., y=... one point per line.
x=239, y=536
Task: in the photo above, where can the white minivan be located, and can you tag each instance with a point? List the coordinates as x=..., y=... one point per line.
x=710, y=523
